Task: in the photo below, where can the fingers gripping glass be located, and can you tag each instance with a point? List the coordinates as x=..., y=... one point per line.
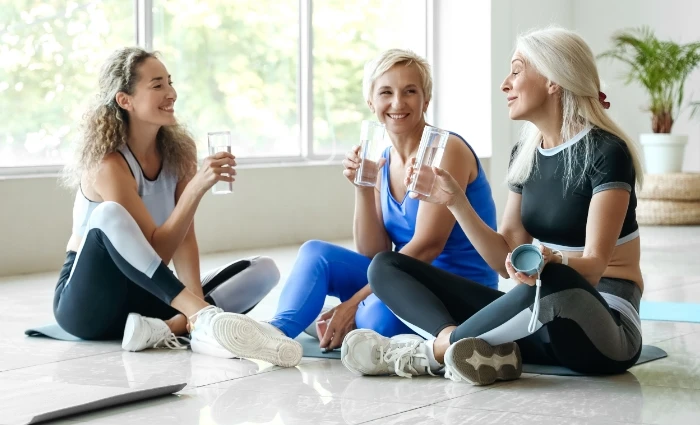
x=372, y=144
x=430, y=151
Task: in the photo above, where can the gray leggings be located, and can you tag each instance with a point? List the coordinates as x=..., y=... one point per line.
x=576, y=327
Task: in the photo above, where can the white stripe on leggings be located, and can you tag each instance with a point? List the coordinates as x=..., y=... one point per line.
x=125, y=235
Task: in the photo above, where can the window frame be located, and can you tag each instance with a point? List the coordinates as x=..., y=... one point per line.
x=143, y=35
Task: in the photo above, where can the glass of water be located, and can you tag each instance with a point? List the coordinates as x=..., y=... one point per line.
x=430, y=151
x=220, y=141
x=372, y=144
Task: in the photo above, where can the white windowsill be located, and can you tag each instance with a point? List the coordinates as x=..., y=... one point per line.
x=54, y=171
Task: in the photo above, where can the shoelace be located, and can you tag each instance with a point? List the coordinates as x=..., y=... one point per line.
x=536, y=306
x=201, y=312
x=172, y=341
x=402, y=355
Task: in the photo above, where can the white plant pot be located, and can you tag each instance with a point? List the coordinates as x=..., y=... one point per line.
x=663, y=153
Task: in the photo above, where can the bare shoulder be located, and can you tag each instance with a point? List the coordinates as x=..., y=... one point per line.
x=459, y=156
x=113, y=172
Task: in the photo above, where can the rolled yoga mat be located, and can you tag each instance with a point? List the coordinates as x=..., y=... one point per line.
x=35, y=404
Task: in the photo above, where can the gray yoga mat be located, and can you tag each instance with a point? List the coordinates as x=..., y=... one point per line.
x=649, y=353
x=89, y=403
x=52, y=330
x=311, y=349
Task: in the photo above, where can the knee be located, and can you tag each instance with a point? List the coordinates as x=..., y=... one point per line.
x=266, y=271
x=375, y=315
x=377, y=273
x=316, y=248
x=109, y=212
x=561, y=276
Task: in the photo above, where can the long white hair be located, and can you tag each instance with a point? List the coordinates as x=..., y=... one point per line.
x=565, y=59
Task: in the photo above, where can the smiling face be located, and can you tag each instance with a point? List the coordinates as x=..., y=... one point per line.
x=527, y=91
x=398, y=100
x=153, y=97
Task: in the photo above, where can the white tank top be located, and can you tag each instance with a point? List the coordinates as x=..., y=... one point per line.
x=158, y=195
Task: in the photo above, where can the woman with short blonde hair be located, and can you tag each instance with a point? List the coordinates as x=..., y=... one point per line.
x=397, y=87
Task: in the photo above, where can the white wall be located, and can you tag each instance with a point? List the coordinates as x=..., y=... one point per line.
x=508, y=19
x=463, y=85
x=271, y=206
x=678, y=20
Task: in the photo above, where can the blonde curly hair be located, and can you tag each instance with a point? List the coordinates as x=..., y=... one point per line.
x=105, y=126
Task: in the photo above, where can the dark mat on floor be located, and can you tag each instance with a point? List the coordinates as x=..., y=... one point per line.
x=51, y=330
x=90, y=399
x=649, y=353
x=311, y=349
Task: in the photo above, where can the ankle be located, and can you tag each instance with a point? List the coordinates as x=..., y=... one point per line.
x=442, y=343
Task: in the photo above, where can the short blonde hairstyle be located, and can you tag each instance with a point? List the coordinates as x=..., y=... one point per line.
x=389, y=58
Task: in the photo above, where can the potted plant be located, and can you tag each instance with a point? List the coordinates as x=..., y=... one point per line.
x=662, y=68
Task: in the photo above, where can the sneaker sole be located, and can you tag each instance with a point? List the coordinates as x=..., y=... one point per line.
x=241, y=336
x=346, y=359
x=128, y=342
x=476, y=361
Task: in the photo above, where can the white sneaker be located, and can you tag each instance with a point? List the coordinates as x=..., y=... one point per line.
x=366, y=352
x=148, y=332
x=247, y=338
x=475, y=361
x=202, y=339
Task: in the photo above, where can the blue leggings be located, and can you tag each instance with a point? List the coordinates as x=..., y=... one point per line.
x=323, y=269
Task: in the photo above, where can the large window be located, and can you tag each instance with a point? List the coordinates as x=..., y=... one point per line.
x=51, y=51
x=284, y=76
x=346, y=34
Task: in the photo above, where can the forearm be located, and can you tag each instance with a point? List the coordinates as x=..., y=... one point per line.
x=491, y=245
x=590, y=268
x=421, y=251
x=167, y=238
x=368, y=232
x=360, y=295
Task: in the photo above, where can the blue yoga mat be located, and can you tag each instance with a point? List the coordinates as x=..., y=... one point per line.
x=670, y=312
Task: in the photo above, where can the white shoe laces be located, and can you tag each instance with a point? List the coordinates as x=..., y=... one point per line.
x=402, y=354
x=210, y=309
x=173, y=342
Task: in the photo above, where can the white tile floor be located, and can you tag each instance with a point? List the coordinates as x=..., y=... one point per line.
x=40, y=371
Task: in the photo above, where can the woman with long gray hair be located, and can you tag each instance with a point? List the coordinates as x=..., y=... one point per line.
x=572, y=181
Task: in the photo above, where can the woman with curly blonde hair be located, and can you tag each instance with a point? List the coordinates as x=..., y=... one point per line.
x=138, y=188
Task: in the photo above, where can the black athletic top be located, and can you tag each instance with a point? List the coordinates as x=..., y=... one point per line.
x=556, y=215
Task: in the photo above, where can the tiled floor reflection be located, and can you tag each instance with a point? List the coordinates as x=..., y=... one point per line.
x=34, y=372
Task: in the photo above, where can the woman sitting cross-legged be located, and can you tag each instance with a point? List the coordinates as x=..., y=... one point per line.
x=398, y=90
x=137, y=190
x=572, y=187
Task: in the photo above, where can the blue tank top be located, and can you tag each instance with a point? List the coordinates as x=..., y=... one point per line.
x=459, y=256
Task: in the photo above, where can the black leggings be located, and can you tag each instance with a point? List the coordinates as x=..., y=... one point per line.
x=117, y=272
x=577, y=328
